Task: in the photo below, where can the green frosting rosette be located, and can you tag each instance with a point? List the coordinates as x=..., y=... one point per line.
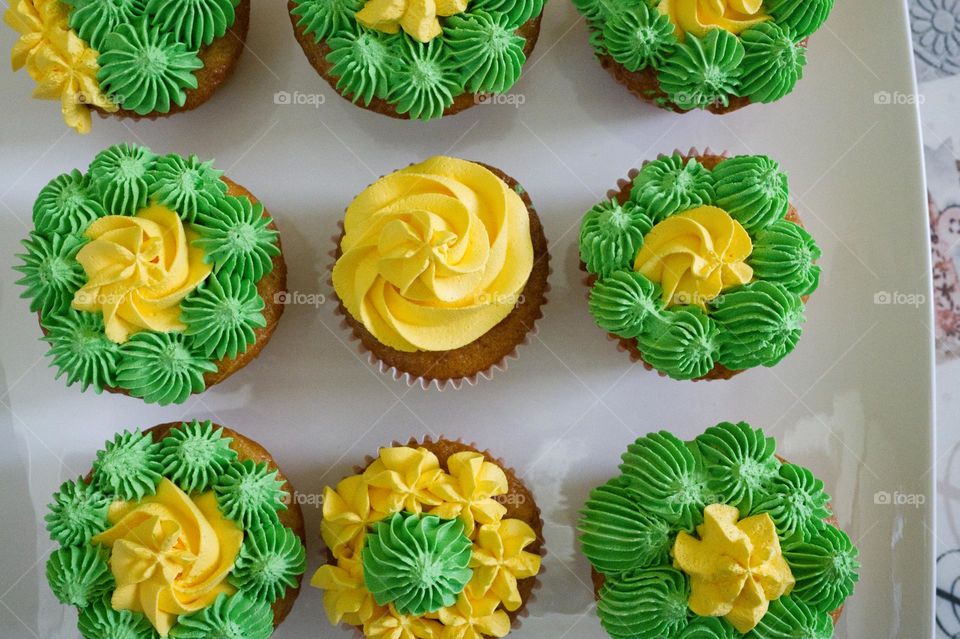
x=219, y=319
x=480, y=51
x=754, y=321
x=86, y=571
x=760, y=59
x=630, y=525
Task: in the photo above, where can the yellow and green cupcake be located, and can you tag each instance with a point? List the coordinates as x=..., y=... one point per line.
x=182, y=531
x=715, y=538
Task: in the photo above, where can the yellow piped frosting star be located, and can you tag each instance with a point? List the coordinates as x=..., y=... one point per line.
x=736, y=568
x=390, y=624
x=401, y=479
x=418, y=18
x=468, y=490
x=346, y=516
x=474, y=618
x=345, y=597
x=499, y=560
x=699, y=16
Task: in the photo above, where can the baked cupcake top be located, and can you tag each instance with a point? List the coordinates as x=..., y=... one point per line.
x=715, y=538
x=144, y=272
x=701, y=267
x=176, y=537
x=434, y=255
x=421, y=550
x=704, y=52
x=137, y=55
x=419, y=55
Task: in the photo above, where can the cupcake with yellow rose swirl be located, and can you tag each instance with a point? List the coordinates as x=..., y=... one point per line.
x=129, y=58
x=430, y=540
x=152, y=275
x=698, y=265
x=417, y=59
x=441, y=271
x=717, y=55
x=186, y=530
x=716, y=538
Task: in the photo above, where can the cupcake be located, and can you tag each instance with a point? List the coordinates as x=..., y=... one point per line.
x=441, y=270
x=717, y=55
x=153, y=276
x=128, y=58
x=430, y=540
x=417, y=59
x=187, y=530
x=715, y=538
x=699, y=266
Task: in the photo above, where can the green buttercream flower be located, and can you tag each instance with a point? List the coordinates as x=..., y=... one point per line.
x=233, y=617
x=186, y=185
x=709, y=628
x=516, y=11
x=250, y=494
x=100, y=621
x=221, y=316
x=237, y=239
x=195, y=23
x=93, y=20
x=796, y=502
x=270, y=561
x=825, y=568
x=161, y=368
x=326, y=18
x=361, y=63
x=664, y=472
x=193, y=455
x=703, y=71
x=760, y=324
x=419, y=564
x=122, y=175
x=788, y=617
x=68, y=204
x=129, y=467
x=650, y=603
x=147, y=70
x=423, y=82
x=51, y=273
x=785, y=253
x=686, y=347
x=611, y=234
x=79, y=575
x=598, y=12
x=802, y=16
x=752, y=189
x=639, y=37
x=488, y=50
x=618, y=535
x=772, y=64
x=740, y=463
x=78, y=512
x=627, y=304
x=80, y=349
x=671, y=185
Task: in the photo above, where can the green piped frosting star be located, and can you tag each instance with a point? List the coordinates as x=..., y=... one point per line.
x=51, y=273
x=162, y=368
x=686, y=346
x=93, y=20
x=517, y=12
x=361, y=62
x=222, y=315
x=627, y=304
x=423, y=82
x=639, y=37
x=236, y=238
x=193, y=455
x=195, y=23
x=740, y=462
x=611, y=235
x=672, y=184
x=231, y=617
x=129, y=467
x=78, y=512
x=772, y=64
x=122, y=175
x=79, y=575
x=326, y=18
x=80, y=349
x=100, y=621
x=803, y=16
x=490, y=53
x=270, y=561
x=67, y=205
x=703, y=71
x=251, y=494
x=186, y=185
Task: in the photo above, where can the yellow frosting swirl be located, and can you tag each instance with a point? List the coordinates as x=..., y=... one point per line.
x=170, y=554
x=695, y=255
x=699, y=16
x=434, y=255
x=418, y=18
x=139, y=269
x=499, y=560
x=63, y=66
x=736, y=568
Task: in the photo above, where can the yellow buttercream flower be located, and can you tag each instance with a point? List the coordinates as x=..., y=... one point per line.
x=468, y=489
x=736, y=568
x=171, y=554
x=699, y=16
x=63, y=65
x=474, y=618
x=346, y=516
x=695, y=255
x=401, y=478
x=418, y=18
x=139, y=269
x=345, y=596
x=499, y=560
x=392, y=625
